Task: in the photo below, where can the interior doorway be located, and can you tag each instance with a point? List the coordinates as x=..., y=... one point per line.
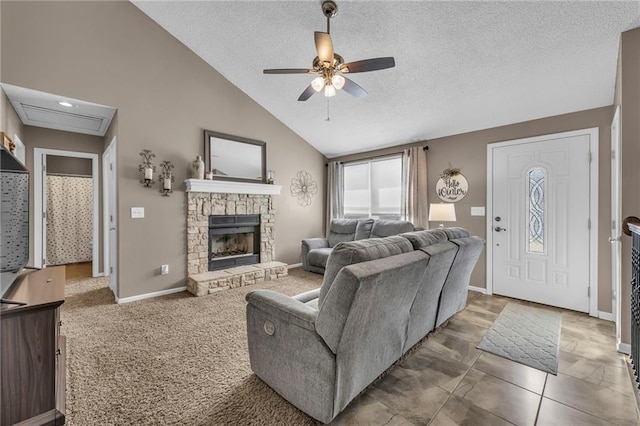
x=66, y=210
x=542, y=222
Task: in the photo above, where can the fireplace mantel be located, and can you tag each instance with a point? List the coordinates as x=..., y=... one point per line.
x=229, y=187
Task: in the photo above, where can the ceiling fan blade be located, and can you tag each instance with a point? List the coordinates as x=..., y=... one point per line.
x=353, y=89
x=365, y=65
x=289, y=71
x=324, y=47
x=308, y=92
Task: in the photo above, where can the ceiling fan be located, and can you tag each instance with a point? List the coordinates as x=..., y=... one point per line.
x=330, y=66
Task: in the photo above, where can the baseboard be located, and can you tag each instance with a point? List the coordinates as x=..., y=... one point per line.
x=624, y=348
x=294, y=265
x=149, y=295
x=607, y=316
x=478, y=289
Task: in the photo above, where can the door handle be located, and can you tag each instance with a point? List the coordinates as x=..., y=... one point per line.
x=615, y=240
x=499, y=229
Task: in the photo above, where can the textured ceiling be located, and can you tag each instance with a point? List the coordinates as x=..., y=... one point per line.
x=460, y=66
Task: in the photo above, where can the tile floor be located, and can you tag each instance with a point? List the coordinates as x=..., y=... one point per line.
x=447, y=381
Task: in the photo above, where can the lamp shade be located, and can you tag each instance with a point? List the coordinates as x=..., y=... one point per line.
x=442, y=212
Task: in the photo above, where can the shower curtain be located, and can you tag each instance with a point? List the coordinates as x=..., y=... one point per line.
x=69, y=219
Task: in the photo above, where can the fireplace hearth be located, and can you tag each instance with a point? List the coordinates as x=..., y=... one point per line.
x=234, y=240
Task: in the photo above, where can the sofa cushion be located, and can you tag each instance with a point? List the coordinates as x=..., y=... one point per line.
x=353, y=252
x=318, y=257
x=386, y=228
x=363, y=230
x=420, y=239
x=342, y=230
x=456, y=232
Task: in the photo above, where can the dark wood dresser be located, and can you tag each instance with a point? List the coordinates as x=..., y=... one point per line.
x=32, y=351
x=635, y=302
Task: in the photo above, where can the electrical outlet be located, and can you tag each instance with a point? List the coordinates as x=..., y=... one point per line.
x=164, y=269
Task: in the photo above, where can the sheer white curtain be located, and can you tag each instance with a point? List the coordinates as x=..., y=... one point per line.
x=69, y=219
x=335, y=194
x=416, y=204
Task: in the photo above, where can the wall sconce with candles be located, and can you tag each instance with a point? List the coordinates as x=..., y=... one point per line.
x=147, y=168
x=166, y=178
x=442, y=212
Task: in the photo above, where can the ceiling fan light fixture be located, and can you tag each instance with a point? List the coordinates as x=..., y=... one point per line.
x=337, y=81
x=317, y=84
x=329, y=90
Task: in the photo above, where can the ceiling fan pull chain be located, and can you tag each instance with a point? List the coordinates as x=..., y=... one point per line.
x=328, y=119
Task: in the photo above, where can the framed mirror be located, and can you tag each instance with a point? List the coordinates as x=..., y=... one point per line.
x=235, y=158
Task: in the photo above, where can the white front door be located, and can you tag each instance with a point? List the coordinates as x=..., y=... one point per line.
x=540, y=224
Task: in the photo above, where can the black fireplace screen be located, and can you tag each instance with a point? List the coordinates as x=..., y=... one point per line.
x=233, y=241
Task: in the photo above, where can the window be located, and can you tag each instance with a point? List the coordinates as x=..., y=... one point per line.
x=536, y=211
x=373, y=188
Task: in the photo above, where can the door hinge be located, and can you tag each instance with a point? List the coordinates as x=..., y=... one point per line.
x=589, y=291
x=613, y=154
x=589, y=224
x=110, y=166
x=590, y=157
x=44, y=215
x=44, y=167
x=111, y=269
x=613, y=224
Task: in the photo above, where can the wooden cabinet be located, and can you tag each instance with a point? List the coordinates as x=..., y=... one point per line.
x=32, y=352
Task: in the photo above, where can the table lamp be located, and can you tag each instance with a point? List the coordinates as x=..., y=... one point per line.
x=442, y=212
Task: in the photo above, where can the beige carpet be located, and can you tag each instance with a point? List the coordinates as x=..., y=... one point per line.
x=175, y=359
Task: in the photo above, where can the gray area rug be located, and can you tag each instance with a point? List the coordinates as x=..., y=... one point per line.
x=528, y=335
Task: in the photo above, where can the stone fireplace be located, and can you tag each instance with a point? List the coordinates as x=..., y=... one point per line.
x=203, y=208
x=230, y=239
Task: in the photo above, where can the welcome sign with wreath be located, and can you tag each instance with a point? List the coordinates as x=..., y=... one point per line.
x=452, y=185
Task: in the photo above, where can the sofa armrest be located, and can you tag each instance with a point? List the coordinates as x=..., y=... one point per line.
x=308, y=295
x=315, y=243
x=284, y=348
x=284, y=307
x=308, y=245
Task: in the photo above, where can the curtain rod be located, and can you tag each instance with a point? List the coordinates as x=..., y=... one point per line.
x=424, y=148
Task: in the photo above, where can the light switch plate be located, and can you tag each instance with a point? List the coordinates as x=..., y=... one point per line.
x=477, y=211
x=137, y=212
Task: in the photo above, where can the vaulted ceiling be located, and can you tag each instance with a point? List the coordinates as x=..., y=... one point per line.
x=460, y=66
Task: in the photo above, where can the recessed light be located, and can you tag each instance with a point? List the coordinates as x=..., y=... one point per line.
x=65, y=104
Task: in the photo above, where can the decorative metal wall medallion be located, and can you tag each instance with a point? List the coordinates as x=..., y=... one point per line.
x=304, y=188
x=452, y=185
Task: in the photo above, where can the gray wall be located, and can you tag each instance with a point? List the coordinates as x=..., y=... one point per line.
x=38, y=137
x=469, y=152
x=112, y=54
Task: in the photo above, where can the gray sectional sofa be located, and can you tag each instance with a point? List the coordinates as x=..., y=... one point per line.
x=315, y=251
x=378, y=298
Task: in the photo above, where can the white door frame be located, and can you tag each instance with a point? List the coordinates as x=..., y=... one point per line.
x=109, y=157
x=593, y=206
x=38, y=196
x=616, y=218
